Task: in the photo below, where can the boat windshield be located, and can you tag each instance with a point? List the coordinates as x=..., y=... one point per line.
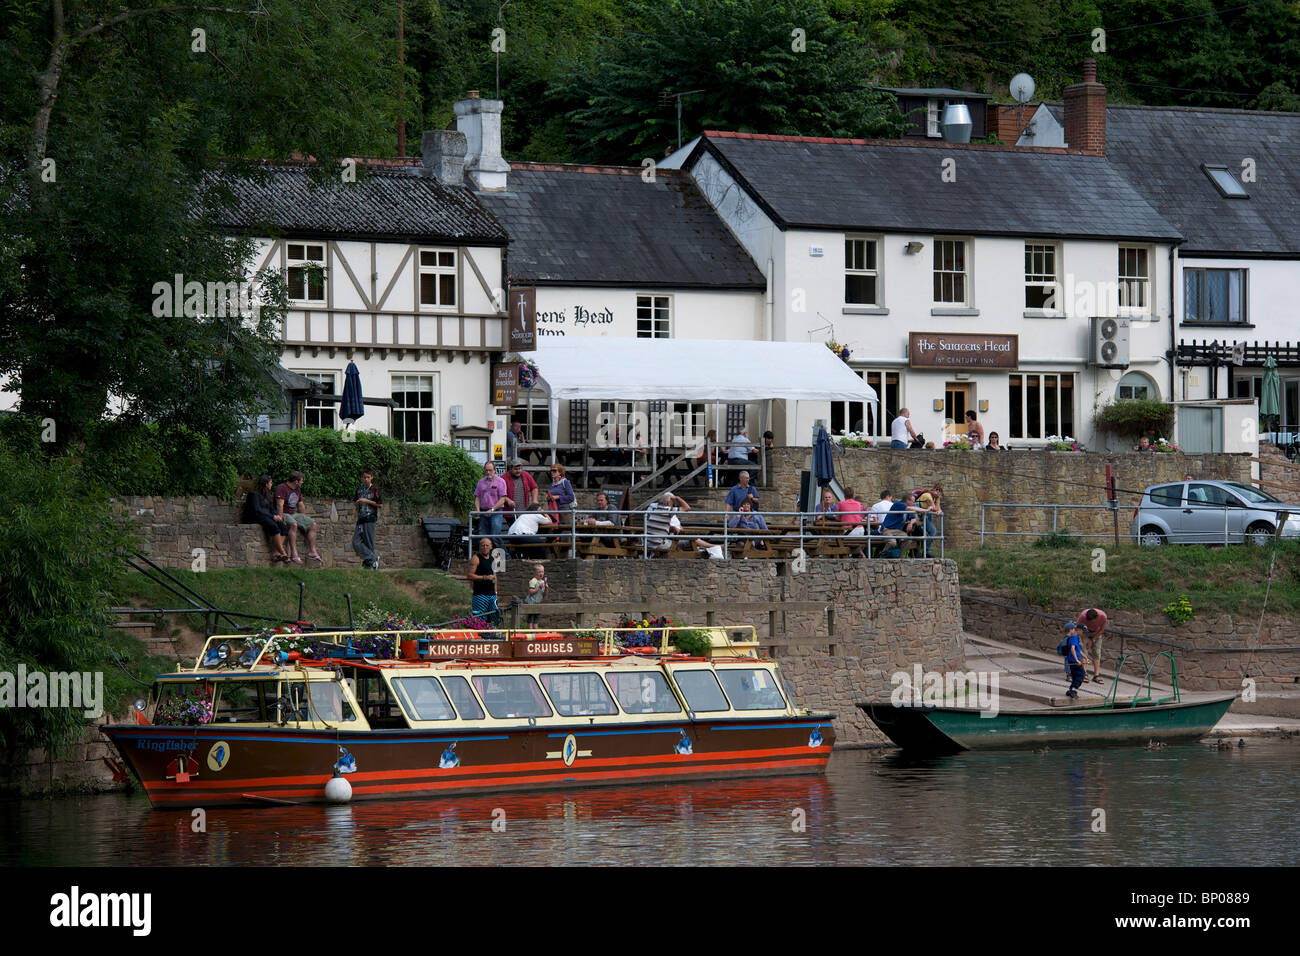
x=751, y=689
x=424, y=698
x=511, y=695
x=701, y=690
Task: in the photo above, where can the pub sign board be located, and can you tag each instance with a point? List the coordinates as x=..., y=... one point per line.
x=962, y=350
x=523, y=320
x=505, y=384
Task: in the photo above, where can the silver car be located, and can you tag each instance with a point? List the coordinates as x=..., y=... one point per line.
x=1210, y=512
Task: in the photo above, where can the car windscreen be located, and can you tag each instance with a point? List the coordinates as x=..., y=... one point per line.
x=1252, y=495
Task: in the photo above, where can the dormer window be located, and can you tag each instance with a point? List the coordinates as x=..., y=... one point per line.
x=1227, y=184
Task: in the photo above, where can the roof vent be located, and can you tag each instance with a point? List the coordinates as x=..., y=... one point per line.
x=956, y=123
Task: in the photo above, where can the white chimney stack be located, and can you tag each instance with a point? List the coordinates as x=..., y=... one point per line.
x=480, y=121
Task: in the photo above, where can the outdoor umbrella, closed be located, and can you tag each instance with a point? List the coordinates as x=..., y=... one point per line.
x=823, y=459
x=353, y=405
x=1270, y=399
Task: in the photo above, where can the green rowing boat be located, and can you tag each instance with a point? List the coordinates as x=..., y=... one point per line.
x=935, y=729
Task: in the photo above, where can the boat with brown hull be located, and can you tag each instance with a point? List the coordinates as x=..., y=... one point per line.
x=462, y=714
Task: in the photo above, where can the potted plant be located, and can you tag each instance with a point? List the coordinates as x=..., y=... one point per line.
x=1059, y=443
x=843, y=351
x=527, y=373
x=852, y=440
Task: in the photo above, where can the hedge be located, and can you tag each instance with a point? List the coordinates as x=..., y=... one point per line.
x=416, y=473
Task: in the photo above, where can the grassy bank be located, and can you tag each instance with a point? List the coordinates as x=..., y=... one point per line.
x=415, y=594
x=1232, y=578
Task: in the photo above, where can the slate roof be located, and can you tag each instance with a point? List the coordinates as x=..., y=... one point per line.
x=1160, y=149
x=605, y=226
x=390, y=202
x=895, y=186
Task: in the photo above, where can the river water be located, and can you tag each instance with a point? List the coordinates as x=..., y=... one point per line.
x=1181, y=805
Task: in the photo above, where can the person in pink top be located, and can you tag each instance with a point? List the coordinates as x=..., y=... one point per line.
x=490, y=496
x=854, y=515
x=1093, y=622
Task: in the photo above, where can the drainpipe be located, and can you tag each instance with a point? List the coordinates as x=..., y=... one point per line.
x=1173, y=347
x=770, y=303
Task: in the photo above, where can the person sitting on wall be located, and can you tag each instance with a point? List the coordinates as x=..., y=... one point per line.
x=994, y=443
x=259, y=510
x=901, y=433
x=289, y=504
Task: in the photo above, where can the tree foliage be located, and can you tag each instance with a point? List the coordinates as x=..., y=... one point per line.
x=768, y=66
x=110, y=118
x=58, y=564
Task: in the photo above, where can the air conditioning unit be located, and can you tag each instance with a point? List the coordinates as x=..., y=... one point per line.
x=1109, y=341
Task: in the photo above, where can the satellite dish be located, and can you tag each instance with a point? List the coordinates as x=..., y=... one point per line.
x=1022, y=87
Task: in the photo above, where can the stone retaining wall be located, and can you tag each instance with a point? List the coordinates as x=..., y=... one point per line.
x=970, y=478
x=179, y=532
x=1276, y=471
x=1213, y=651
x=873, y=617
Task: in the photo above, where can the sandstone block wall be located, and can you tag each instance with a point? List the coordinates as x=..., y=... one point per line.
x=173, y=528
x=970, y=478
x=1214, y=651
x=839, y=630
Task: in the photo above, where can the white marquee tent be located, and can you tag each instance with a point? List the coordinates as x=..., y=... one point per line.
x=693, y=370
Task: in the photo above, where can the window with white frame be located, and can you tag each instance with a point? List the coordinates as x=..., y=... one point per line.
x=861, y=417
x=438, y=278
x=934, y=117
x=1040, y=404
x=1134, y=279
x=1042, y=275
x=413, y=411
x=317, y=412
x=1214, y=295
x=653, y=316
x=305, y=270
x=951, y=277
x=861, y=272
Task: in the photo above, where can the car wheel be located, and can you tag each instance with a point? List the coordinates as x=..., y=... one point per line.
x=1151, y=537
x=1260, y=534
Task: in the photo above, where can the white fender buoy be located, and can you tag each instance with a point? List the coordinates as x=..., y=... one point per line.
x=337, y=789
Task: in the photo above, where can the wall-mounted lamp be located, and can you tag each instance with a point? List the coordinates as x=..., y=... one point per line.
x=913, y=247
x=938, y=404
x=984, y=405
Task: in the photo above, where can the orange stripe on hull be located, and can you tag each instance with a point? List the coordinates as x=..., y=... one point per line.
x=244, y=783
x=182, y=793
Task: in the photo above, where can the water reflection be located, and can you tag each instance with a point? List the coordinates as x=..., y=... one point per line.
x=1179, y=805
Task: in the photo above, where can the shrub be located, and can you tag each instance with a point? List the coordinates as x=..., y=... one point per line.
x=419, y=474
x=1180, y=611
x=1135, y=417
x=1058, y=539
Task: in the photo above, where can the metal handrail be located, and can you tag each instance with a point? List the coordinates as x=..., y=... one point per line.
x=807, y=529
x=607, y=637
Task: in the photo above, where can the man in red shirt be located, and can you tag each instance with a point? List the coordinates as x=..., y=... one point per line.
x=1093, y=622
x=520, y=488
x=289, y=503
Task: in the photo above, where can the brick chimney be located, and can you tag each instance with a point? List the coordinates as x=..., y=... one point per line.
x=480, y=121
x=1085, y=113
x=442, y=153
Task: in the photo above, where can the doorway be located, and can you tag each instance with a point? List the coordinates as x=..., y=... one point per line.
x=957, y=398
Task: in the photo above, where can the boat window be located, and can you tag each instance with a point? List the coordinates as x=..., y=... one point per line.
x=511, y=695
x=424, y=698
x=377, y=702
x=643, y=693
x=701, y=690
x=578, y=694
x=751, y=688
x=328, y=703
x=245, y=701
x=463, y=698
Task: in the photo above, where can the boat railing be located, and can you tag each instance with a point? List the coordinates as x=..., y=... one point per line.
x=245, y=652
x=1145, y=681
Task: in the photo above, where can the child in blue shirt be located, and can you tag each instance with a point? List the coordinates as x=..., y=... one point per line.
x=1074, y=660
